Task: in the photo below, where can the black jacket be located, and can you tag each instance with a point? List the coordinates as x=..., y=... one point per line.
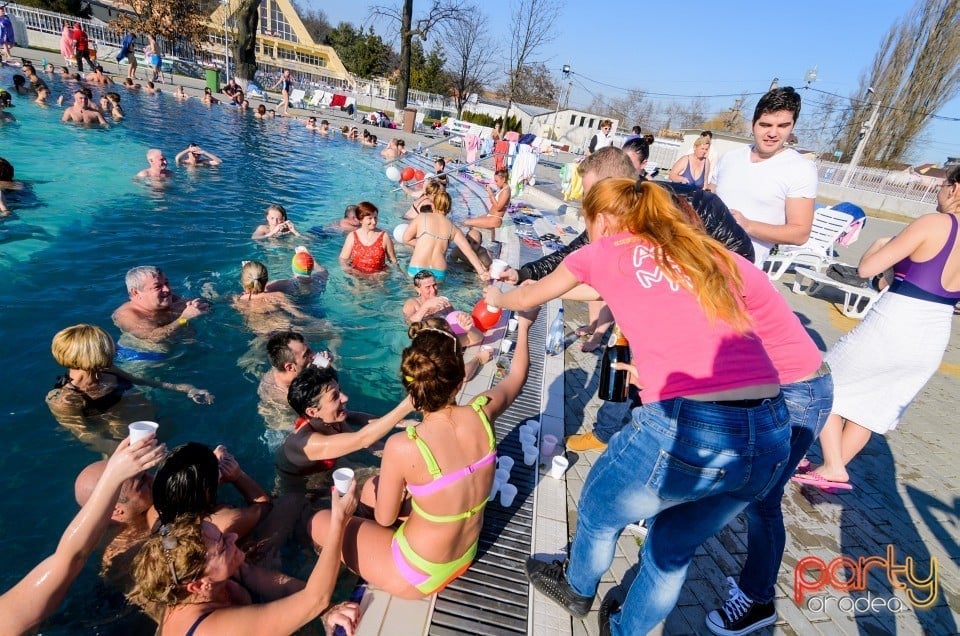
x=714, y=214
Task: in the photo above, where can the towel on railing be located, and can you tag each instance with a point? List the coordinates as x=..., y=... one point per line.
x=472, y=145
x=338, y=101
x=500, y=150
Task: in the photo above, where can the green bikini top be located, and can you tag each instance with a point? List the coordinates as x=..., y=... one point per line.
x=441, y=481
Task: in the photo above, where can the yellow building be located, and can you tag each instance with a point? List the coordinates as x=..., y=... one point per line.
x=282, y=43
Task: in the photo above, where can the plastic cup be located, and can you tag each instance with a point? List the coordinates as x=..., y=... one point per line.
x=506, y=345
x=502, y=474
x=512, y=324
x=530, y=455
x=505, y=462
x=494, y=489
x=497, y=268
x=559, y=466
x=342, y=478
x=139, y=430
x=533, y=425
x=527, y=438
x=548, y=445
x=507, y=494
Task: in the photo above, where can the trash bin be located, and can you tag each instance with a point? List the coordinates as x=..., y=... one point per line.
x=409, y=119
x=213, y=80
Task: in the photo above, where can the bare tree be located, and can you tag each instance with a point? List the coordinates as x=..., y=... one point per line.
x=470, y=54
x=248, y=19
x=533, y=27
x=915, y=71
x=440, y=11
x=174, y=20
x=632, y=108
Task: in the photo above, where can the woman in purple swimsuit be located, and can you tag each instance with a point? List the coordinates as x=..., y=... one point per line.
x=881, y=366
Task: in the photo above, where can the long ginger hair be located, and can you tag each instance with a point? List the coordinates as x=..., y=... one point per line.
x=685, y=254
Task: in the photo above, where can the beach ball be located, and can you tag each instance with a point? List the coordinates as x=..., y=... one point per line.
x=407, y=174
x=302, y=262
x=393, y=173
x=453, y=319
x=418, y=175
x=398, y=232
x=485, y=316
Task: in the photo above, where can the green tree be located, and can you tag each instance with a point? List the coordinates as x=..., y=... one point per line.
x=363, y=54
x=70, y=7
x=431, y=76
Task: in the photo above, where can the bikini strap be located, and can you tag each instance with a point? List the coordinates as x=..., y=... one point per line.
x=477, y=405
x=428, y=457
x=447, y=518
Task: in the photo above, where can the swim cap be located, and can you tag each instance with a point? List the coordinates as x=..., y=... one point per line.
x=302, y=262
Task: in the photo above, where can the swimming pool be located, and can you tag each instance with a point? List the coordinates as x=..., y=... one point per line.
x=85, y=221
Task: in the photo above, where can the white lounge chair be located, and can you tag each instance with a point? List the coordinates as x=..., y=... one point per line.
x=296, y=97
x=316, y=100
x=857, y=301
x=828, y=225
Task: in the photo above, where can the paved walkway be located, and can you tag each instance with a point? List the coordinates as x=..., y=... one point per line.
x=905, y=496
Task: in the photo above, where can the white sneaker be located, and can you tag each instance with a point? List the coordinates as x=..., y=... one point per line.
x=638, y=529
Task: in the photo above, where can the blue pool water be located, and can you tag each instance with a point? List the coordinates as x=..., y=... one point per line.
x=84, y=221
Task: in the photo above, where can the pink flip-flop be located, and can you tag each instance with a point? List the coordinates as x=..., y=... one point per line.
x=803, y=466
x=815, y=479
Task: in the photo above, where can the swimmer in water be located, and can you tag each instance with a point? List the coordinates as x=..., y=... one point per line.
x=277, y=224
x=154, y=313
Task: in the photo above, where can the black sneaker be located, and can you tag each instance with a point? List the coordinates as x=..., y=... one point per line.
x=739, y=615
x=609, y=606
x=551, y=580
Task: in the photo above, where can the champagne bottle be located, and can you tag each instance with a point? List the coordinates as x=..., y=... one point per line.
x=614, y=383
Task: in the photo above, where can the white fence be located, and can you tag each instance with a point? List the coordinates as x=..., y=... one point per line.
x=901, y=184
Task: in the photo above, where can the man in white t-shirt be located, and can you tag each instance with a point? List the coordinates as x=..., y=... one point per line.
x=770, y=189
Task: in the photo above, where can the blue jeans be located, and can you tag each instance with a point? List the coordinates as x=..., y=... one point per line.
x=611, y=415
x=808, y=404
x=692, y=465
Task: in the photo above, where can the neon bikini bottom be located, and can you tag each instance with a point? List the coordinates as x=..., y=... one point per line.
x=431, y=576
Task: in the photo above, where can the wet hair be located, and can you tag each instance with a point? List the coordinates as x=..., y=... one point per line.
x=431, y=368
x=686, y=256
x=401, y=143
x=278, y=208
x=19, y=80
x=186, y=483
x=350, y=212
x=253, y=277
x=442, y=202
x=365, y=209
x=5, y=100
x=138, y=275
x=324, y=122
x=84, y=347
x=309, y=385
x=611, y=162
x=154, y=566
x=785, y=98
x=113, y=97
x=149, y=84
x=278, y=348
x=261, y=109
x=6, y=170
x=421, y=276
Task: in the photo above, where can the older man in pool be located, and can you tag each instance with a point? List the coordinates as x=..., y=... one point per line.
x=154, y=312
x=158, y=166
x=82, y=112
x=429, y=303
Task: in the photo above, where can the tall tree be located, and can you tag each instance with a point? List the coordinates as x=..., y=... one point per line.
x=172, y=20
x=315, y=21
x=247, y=16
x=532, y=85
x=70, y=7
x=534, y=23
x=431, y=76
x=915, y=71
x=469, y=55
x=440, y=11
x=363, y=54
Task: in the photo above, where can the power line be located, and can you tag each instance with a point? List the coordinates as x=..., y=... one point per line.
x=903, y=110
x=653, y=94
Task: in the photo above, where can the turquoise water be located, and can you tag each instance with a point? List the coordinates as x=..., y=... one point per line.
x=83, y=221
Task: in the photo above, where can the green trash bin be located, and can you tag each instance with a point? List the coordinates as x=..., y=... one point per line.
x=213, y=80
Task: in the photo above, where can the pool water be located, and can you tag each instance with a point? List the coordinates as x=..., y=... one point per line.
x=83, y=221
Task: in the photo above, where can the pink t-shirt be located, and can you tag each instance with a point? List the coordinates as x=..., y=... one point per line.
x=677, y=350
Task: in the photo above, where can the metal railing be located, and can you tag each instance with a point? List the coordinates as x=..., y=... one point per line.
x=896, y=183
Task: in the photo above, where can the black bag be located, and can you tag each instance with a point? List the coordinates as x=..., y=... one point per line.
x=847, y=275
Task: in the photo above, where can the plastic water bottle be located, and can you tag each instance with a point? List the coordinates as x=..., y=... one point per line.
x=43, y=64
x=419, y=147
x=555, y=335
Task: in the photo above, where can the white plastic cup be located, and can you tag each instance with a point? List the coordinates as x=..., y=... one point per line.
x=321, y=360
x=342, y=478
x=533, y=425
x=494, y=489
x=507, y=494
x=502, y=474
x=497, y=268
x=548, y=445
x=139, y=430
x=530, y=455
x=527, y=438
x=512, y=324
x=505, y=462
x=559, y=466
x=506, y=345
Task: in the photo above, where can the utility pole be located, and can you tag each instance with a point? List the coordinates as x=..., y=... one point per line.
x=865, y=132
x=556, y=113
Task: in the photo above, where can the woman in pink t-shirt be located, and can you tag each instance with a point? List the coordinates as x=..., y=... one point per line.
x=711, y=435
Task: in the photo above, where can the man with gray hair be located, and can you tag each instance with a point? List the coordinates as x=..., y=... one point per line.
x=154, y=312
x=158, y=166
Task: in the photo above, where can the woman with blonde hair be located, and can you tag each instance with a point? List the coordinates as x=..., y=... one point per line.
x=422, y=197
x=430, y=235
x=694, y=168
x=711, y=435
x=198, y=578
x=265, y=304
x=277, y=224
x=443, y=469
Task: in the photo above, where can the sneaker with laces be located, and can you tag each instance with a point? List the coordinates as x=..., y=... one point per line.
x=585, y=442
x=740, y=615
x=551, y=580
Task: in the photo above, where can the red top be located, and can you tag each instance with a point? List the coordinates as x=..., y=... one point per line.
x=368, y=258
x=81, y=39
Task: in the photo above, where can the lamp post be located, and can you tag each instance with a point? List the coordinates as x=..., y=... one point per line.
x=226, y=37
x=556, y=113
x=862, y=142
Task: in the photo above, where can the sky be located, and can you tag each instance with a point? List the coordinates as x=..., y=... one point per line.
x=706, y=48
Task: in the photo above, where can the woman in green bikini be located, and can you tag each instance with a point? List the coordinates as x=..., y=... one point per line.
x=430, y=234
x=440, y=473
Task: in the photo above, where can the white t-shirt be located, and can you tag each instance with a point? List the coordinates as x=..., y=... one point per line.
x=759, y=190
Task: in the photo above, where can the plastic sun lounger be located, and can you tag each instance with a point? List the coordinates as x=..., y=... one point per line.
x=828, y=225
x=296, y=97
x=857, y=301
